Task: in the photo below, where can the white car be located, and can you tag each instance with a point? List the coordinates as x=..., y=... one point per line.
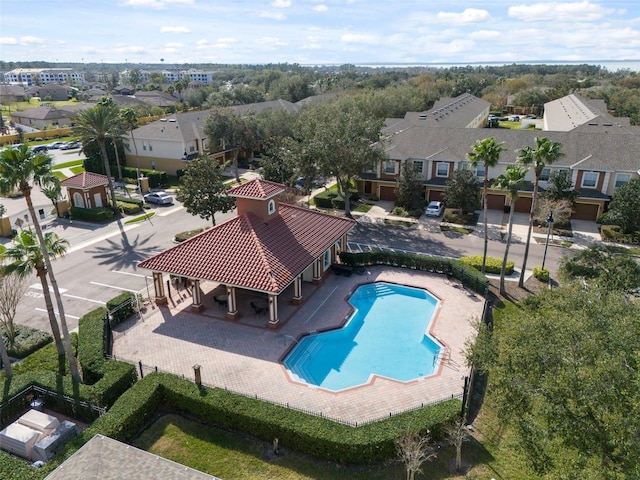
x=159, y=198
x=434, y=209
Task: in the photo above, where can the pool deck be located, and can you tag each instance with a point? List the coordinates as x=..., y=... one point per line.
x=244, y=355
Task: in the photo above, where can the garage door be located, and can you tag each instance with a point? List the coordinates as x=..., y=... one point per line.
x=387, y=193
x=495, y=202
x=585, y=211
x=436, y=196
x=523, y=205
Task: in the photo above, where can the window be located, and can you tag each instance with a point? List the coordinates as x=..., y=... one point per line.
x=150, y=147
x=271, y=208
x=622, y=179
x=480, y=171
x=144, y=145
x=544, y=174
x=589, y=179
x=418, y=165
x=389, y=167
x=442, y=169
x=327, y=259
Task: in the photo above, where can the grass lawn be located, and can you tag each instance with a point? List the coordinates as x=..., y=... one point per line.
x=234, y=456
x=59, y=174
x=363, y=208
x=77, y=170
x=69, y=164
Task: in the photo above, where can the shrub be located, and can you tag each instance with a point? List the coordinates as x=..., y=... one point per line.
x=128, y=208
x=135, y=201
x=453, y=215
x=26, y=341
x=400, y=212
x=466, y=274
x=616, y=234
x=541, y=274
x=101, y=214
x=373, y=197
x=492, y=265
x=121, y=308
x=182, y=236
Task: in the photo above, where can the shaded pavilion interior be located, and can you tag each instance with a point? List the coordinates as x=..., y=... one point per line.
x=270, y=254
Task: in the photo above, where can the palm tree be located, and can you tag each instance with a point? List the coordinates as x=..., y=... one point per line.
x=4, y=355
x=52, y=192
x=98, y=124
x=511, y=180
x=130, y=119
x=18, y=168
x=485, y=152
x=545, y=153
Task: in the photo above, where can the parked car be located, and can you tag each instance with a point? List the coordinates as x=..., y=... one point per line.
x=55, y=145
x=159, y=198
x=434, y=209
x=71, y=145
x=40, y=149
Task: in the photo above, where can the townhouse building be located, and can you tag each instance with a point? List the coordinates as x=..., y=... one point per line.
x=600, y=151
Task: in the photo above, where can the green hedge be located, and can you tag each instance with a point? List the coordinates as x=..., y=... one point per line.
x=26, y=341
x=128, y=208
x=455, y=268
x=614, y=233
x=121, y=308
x=309, y=434
x=541, y=274
x=331, y=199
x=156, y=177
x=492, y=265
x=101, y=214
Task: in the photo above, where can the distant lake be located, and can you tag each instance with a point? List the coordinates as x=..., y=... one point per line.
x=610, y=65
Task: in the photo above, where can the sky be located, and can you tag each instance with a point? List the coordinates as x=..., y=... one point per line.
x=315, y=32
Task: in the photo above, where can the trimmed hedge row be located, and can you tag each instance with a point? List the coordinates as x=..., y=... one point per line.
x=492, y=265
x=101, y=214
x=331, y=199
x=316, y=436
x=468, y=275
x=26, y=341
x=156, y=177
x=121, y=307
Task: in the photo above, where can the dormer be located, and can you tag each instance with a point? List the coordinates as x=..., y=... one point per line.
x=258, y=197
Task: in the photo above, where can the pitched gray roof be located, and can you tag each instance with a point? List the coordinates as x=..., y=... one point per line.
x=612, y=150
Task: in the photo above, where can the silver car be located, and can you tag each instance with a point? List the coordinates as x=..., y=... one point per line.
x=159, y=198
x=434, y=209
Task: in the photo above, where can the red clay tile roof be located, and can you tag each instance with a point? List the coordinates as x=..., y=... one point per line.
x=256, y=189
x=250, y=253
x=85, y=180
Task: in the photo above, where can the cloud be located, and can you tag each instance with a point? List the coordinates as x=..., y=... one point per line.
x=156, y=4
x=273, y=15
x=175, y=30
x=33, y=41
x=359, y=38
x=468, y=16
x=174, y=45
x=130, y=49
x=584, y=11
x=320, y=8
x=485, y=35
x=281, y=3
x=270, y=41
x=8, y=41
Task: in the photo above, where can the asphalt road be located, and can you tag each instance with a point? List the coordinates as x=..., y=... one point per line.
x=102, y=260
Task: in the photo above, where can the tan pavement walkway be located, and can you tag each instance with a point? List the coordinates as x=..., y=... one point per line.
x=244, y=356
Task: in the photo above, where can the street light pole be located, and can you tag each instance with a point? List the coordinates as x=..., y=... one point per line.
x=546, y=246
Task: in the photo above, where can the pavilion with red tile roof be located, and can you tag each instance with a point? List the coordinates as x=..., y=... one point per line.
x=87, y=190
x=268, y=247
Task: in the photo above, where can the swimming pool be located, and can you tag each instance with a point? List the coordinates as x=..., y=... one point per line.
x=387, y=335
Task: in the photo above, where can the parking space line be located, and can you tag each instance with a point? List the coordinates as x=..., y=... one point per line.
x=66, y=314
x=85, y=299
x=169, y=212
x=113, y=286
x=132, y=274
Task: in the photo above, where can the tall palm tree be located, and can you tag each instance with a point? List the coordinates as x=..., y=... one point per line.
x=485, y=152
x=18, y=168
x=97, y=125
x=4, y=355
x=546, y=152
x=511, y=181
x=130, y=120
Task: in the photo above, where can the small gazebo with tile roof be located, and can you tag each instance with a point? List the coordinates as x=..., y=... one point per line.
x=87, y=190
x=268, y=247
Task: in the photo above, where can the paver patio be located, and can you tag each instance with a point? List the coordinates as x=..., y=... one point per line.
x=244, y=356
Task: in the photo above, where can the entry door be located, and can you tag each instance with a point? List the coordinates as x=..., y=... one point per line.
x=97, y=200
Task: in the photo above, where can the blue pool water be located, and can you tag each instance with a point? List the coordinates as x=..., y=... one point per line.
x=387, y=335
